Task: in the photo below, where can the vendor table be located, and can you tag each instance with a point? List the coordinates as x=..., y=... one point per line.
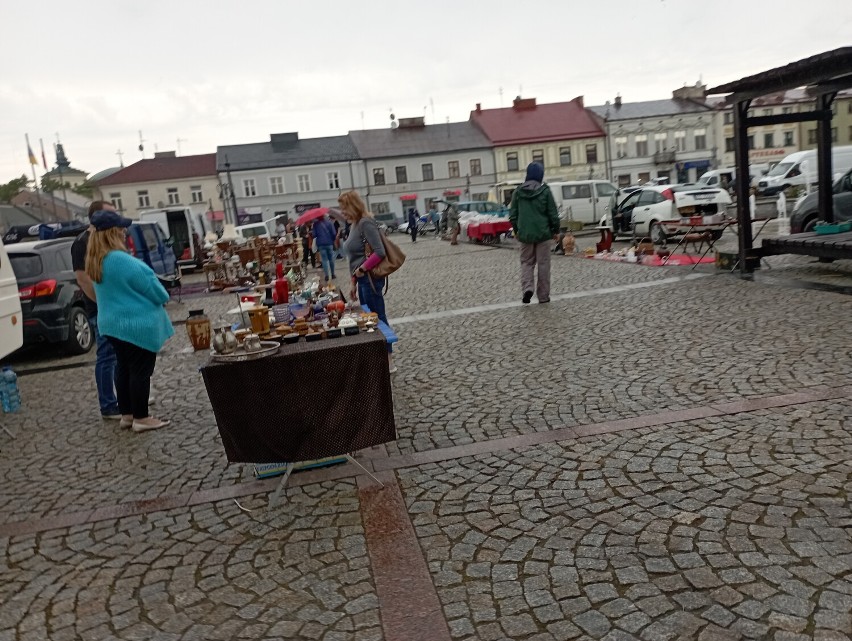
x=309, y=401
x=700, y=232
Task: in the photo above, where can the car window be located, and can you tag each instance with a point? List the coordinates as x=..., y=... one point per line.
x=26, y=265
x=63, y=258
x=489, y=207
x=150, y=237
x=605, y=189
x=648, y=197
x=576, y=191
x=631, y=200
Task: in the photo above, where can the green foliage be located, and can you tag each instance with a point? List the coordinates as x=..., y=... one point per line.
x=12, y=188
x=85, y=189
x=50, y=185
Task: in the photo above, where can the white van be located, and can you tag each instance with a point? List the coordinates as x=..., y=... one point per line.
x=800, y=168
x=178, y=226
x=583, y=201
x=714, y=177
x=244, y=232
x=11, y=322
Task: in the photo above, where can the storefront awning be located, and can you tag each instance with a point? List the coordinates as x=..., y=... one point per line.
x=408, y=197
x=215, y=215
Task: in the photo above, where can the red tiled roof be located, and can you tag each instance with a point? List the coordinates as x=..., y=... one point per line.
x=527, y=122
x=153, y=169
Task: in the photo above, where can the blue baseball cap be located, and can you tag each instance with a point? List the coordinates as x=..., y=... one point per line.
x=103, y=220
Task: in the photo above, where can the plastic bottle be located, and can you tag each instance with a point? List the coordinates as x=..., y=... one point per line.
x=12, y=396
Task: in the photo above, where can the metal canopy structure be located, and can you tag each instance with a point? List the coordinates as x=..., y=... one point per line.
x=823, y=75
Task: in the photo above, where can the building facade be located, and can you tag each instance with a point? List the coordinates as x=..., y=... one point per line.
x=673, y=139
x=166, y=180
x=413, y=164
x=286, y=176
x=565, y=137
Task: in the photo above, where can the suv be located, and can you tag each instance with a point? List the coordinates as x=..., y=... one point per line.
x=482, y=207
x=51, y=301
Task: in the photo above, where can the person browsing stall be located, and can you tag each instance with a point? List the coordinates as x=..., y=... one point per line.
x=365, y=231
x=130, y=315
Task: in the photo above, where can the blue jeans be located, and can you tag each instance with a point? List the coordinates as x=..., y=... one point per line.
x=327, y=254
x=375, y=300
x=104, y=371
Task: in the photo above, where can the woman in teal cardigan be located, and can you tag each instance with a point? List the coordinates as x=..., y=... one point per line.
x=130, y=314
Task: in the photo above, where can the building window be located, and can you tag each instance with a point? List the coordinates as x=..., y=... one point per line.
x=621, y=147
x=768, y=140
x=453, y=168
x=624, y=180
x=379, y=176
x=834, y=108
x=786, y=110
x=304, y=181
x=333, y=179
x=276, y=185
x=834, y=134
x=750, y=141
x=512, y=160
x=729, y=144
x=850, y=138
x=660, y=142
x=482, y=197
x=249, y=188
x=644, y=177
x=142, y=198
x=564, y=156
x=380, y=208
x=475, y=167
x=538, y=156
x=115, y=199
x=195, y=194
x=788, y=139
x=811, y=136
x=591, y=153
x=849, y=107
x=642, y=145
x=426, y=169
x=701, y=139
x=729, y=118
x=401, y=175
x=172, y=195
x=767, y=112
x=680, y=140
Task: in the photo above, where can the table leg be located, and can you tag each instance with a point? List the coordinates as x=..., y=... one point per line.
x=369, y=473
x=679, y=243
x=275, y=499
x=6, y=429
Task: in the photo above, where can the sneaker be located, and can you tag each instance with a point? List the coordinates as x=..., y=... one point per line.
x=112, y=416
x=527, y=297
x=147, y=424
x=546, y=300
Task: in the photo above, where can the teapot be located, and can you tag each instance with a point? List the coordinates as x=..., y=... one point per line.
x=251, y=343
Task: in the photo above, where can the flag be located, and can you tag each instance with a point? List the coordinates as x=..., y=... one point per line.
x=43, y=157
x=33, y=160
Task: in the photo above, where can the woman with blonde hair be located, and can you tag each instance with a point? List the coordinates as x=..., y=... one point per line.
x=364, y=230
x=130, y=315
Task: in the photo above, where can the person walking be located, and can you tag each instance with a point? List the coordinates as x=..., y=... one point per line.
x=364, y=230
x=105, y=355
x=453, y=224
x=412, y=223
x=325, y=236
x=435, y=218
x=130, y=315
x=535, y=222
x=307, y=241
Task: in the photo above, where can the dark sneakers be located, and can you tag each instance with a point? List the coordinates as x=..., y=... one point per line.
x=527, y=298
x=546, y=300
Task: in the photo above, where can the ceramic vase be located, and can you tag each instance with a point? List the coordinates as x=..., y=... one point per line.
x=198, y=330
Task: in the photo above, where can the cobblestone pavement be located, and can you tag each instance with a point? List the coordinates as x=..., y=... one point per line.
x=656, y=454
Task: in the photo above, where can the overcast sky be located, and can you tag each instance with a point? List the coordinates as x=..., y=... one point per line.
x=215, y=73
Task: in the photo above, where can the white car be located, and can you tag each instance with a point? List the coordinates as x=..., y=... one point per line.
x=645, y=211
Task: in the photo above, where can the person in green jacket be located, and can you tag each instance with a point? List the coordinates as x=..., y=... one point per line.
x=535, y=222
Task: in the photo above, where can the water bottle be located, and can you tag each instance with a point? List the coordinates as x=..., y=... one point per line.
x=11, y=396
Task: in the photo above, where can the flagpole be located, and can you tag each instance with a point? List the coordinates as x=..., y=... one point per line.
x=33, y=161
x=44, y=162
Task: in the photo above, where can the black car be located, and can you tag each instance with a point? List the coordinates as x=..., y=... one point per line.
x=805, y=214
x=51, y=300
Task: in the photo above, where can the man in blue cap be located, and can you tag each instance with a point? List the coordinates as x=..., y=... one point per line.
x=535, y=222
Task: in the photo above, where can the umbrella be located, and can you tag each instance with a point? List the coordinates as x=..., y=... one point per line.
x=335, y=213
x=311, y=214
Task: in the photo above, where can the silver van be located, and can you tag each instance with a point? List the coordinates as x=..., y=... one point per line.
x=581, y=201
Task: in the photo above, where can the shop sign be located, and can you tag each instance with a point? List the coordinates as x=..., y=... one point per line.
x=766, y=153
x=408, y=197
x=452, y=192
x=301, y=209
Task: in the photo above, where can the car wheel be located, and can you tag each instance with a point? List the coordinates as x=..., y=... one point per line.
x=810, y=224
x=657, y=233
x=80, y=335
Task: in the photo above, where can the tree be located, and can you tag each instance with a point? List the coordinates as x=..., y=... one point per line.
x=50, y=185
x=85, y=189
x=13, y=188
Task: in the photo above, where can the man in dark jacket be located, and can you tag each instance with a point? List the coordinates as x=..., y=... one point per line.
x=535, y=222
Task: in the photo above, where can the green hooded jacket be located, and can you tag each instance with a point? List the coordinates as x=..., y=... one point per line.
x=533, y=214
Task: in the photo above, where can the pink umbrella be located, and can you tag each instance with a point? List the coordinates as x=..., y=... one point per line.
x=311, y=214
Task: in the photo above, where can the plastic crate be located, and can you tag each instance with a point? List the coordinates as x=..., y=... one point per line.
x=833, y=228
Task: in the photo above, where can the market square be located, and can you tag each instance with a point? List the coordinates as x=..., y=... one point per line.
x=553, y=476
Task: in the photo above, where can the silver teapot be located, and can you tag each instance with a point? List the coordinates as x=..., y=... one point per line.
x=251, y=343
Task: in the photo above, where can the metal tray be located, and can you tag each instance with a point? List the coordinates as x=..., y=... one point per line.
x=269, y=348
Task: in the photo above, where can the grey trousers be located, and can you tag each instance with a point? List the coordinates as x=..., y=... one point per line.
x=533, y=254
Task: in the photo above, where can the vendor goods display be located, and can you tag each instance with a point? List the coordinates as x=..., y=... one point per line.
x=198, y=330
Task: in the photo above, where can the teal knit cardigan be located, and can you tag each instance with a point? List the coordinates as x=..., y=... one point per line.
x=130, y=303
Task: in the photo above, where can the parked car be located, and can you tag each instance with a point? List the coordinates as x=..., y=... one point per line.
x=252, y=230
x=644, y=210
x=147, y=242
x=482, y=207
x=51, y=301
x=806, y=211
x=11, y=323
x=582, y=201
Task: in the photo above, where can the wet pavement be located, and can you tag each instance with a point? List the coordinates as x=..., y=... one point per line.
x=658, y=453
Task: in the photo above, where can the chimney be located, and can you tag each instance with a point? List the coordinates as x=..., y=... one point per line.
x=479, y=107
x=696, y=92
x=282, y=142
x=412, y=123
x=520, y=104
x=618, y=101
x=164, y=154
x=579, y=100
